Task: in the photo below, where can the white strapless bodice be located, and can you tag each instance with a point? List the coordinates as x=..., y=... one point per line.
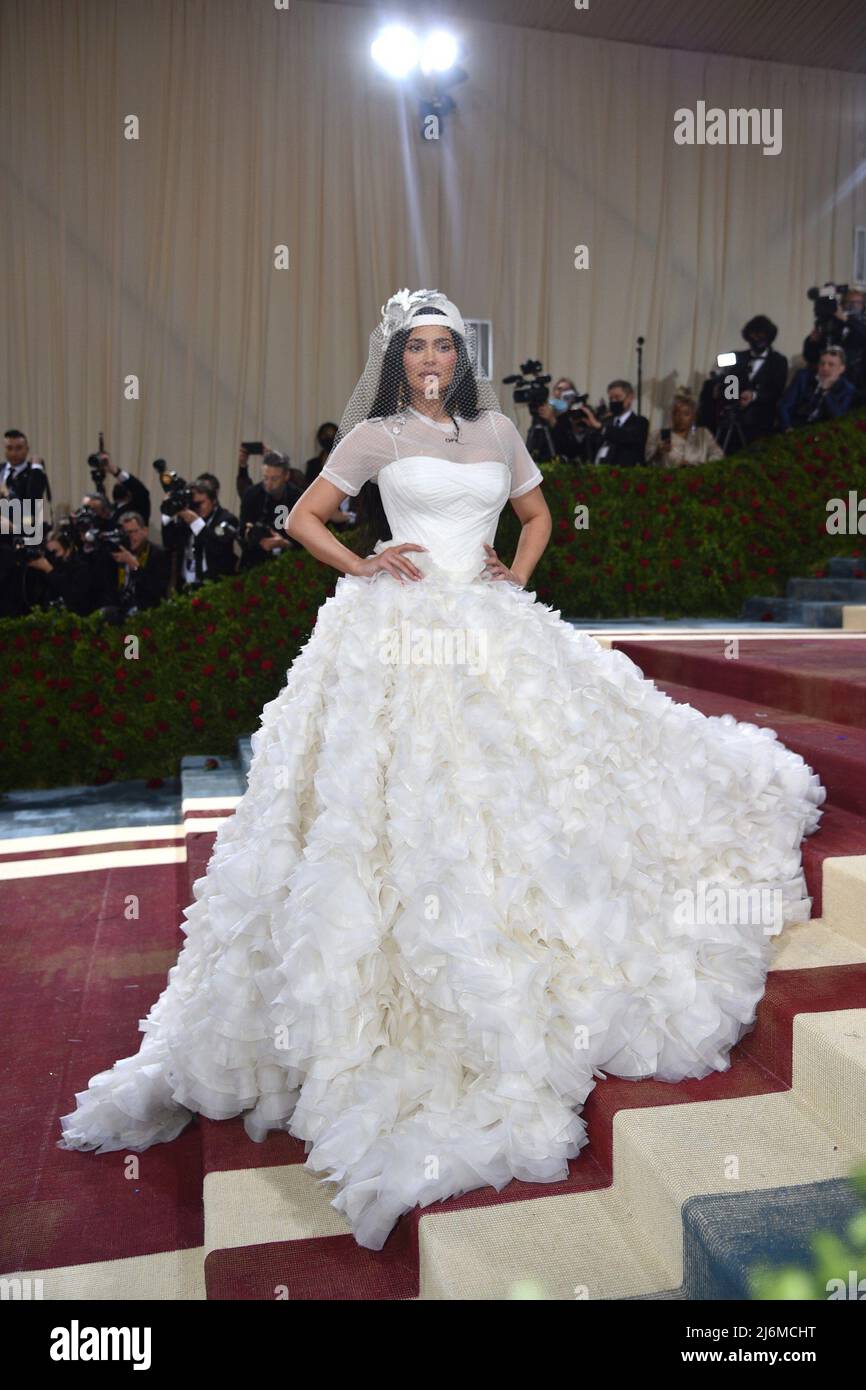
x=451, y=508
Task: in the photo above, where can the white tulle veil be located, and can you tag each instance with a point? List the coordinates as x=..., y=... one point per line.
x=380, y=377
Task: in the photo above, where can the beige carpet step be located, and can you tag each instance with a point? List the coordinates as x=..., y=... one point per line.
x=809, y=945
x=171, y=1276
x=259, y=1205
x=844, y=895
x=628, y=1239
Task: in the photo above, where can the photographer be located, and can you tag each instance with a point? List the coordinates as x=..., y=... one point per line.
x=143, y=568
x=825, y=394
x=69, y=579
x=839, y=322
x=264, y=510
x=325, y=436
x=569, y=432
x=128, y=493
x=619, y=438
x=96, y=537
x=202, y=534
x=761, y=373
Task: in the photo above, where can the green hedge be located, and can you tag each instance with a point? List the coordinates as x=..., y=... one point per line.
x=689, y=542
x=675, y=542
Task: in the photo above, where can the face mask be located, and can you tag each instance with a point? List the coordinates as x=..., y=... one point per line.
x=758, y=346
x=558, y=405
x=616, y=407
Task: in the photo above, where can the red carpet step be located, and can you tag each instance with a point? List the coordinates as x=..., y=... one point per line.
x=823, y=678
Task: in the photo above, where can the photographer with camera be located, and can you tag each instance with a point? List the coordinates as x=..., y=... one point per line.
x=822, y=394
x=557, y=426
x=840, y=321
x=761, y=373
x=127, y=493
x=200, y=533
x=69, y=578
x=569, y=431
x=264, y=511
x=619, y=436
x=143, y=568
x=96, y=537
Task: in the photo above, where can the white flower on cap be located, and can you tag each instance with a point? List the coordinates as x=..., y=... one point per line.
x=401, y=307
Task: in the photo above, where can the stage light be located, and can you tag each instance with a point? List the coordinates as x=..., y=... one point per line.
x=439, y=52
x=396, y=50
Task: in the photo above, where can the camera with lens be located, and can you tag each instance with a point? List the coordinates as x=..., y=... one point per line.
x=826, y=300
x=23, y=551
x=575, y=403
x=96, y=464
x=89, y=530
x=530, y=384
x=256, y=531
x=178, y=493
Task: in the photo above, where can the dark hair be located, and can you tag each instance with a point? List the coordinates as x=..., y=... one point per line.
x=763, y=326
x=325, y=425
x=392, y=395
x=15, y=434
x=623, y=385
x=100, y=499
x=208, y=484
x=275, y=460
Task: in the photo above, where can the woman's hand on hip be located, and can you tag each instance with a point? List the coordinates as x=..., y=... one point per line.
x=393, y=561
x=495, y=569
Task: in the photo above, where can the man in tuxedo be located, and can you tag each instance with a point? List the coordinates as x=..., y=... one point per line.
x=201, y=536
x=761, y=374
x=621, y=440
x=824, y=394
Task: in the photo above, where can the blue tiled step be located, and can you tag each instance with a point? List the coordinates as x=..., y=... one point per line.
x=790, y=610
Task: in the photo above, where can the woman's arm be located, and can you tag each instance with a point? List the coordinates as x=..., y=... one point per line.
x=532, y=512
x=306, y=523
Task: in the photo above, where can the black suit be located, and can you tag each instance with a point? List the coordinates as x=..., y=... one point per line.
x=259, y=507
x=625, y=444
x=148, y=585
x=767, y=386
x=849, y=335
x=137, y=498
x=213, y=546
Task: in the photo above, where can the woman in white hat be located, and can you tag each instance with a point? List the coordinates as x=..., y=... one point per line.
x=457, y=886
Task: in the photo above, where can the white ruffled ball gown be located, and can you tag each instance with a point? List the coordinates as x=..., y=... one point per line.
x=451, y=894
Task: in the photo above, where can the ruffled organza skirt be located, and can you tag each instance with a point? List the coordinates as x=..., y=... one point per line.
x=480, y=862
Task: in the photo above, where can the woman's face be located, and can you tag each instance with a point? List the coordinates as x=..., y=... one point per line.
x=429, y=359
x=682, y=415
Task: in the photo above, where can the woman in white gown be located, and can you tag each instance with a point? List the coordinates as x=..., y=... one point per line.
x=467, y=874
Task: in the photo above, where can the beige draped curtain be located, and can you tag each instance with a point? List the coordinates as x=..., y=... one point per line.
x=153, y=258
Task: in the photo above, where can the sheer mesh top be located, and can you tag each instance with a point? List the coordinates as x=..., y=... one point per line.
x=373, y=444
